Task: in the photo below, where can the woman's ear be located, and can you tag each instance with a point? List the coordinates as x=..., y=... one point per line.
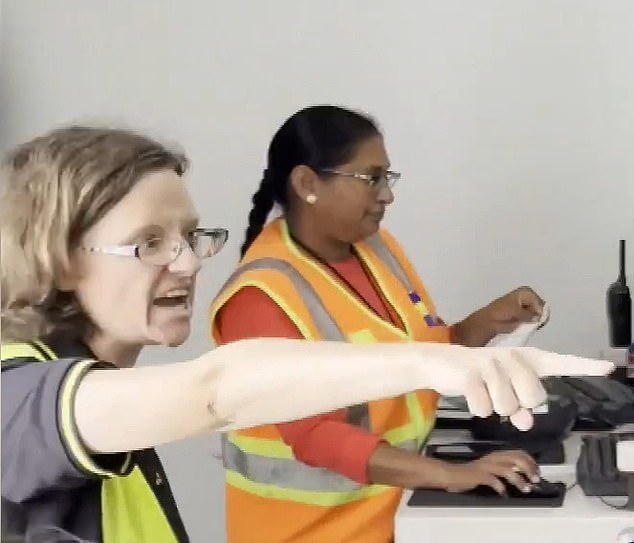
x=305, y=183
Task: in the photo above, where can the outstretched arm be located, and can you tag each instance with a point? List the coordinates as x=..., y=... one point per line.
x=263, y=381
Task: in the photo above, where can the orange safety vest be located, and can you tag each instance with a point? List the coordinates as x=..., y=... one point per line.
x=272, y=497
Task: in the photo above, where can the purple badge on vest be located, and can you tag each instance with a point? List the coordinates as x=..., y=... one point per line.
x=429, y=319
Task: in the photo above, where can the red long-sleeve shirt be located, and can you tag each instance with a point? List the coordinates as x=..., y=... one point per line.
x=327, y=440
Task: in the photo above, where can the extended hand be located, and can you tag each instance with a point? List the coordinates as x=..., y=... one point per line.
x=501, y=379
x=268, y=381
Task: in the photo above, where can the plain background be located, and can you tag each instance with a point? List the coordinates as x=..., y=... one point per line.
x=511, y=121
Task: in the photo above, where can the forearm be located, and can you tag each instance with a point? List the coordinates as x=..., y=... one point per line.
x=406, y=469
x=264, y=381
x=249, y=383
x=277, y=380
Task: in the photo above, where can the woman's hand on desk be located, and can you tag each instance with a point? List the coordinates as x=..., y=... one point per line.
x=406, y=469
x=517, y=467
x=501, y=316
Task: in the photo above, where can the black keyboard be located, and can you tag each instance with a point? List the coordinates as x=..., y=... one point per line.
x=597, y=473
x=542, y=452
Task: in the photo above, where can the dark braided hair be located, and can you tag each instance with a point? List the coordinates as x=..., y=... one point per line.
x=320, y=137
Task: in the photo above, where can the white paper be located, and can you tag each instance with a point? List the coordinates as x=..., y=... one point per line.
x=520, y=336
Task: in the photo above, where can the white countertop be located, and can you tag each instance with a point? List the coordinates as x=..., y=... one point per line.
x=581, y=519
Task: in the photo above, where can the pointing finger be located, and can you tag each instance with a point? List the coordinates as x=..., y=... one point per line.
x=547, y=364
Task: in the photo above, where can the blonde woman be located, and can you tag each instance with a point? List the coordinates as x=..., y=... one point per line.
x=101, y=246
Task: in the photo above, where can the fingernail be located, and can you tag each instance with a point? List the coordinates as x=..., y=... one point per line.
x=535, y=479
x=526, y=489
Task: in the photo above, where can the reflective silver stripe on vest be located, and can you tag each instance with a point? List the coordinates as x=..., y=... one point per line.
x=289, y=473
x=327, y=327
x=358, y=415
x=376, y=244
x=382, y=251
x=286, y=472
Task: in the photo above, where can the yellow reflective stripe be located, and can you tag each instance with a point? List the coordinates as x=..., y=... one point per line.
x=288, y=473
x=384, y=289
x=415, y=411
x=272, y=448
x=362, y=336
x=131, y=512
x=281, y=303
x=20, y=350
x=67, y=422
x=325, y=499
x=422, y=426
x=45, y=348
x=318, y=269
x=401, y=434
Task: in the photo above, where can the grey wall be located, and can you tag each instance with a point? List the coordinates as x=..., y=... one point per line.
x=512, y=123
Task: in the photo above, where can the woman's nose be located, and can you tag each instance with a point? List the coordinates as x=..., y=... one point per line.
x=186, y=263
x=385, y=195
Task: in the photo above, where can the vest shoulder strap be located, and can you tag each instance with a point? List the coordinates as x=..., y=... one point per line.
x=383, y=252
x=326, y=325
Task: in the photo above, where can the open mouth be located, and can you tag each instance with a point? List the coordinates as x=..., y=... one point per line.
x=179, y=299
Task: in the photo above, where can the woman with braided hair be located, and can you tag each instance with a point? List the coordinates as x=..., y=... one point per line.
x=326, y=270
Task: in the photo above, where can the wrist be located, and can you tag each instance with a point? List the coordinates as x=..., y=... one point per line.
x=474, y=331
x=436, y=474
x=444, y=472
x=486, y=325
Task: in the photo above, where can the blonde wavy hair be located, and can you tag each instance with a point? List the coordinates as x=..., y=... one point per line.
x=54, y=188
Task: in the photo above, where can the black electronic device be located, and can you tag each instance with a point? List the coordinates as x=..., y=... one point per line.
x=619, y=306
x=542, y=452
x=597, y=472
